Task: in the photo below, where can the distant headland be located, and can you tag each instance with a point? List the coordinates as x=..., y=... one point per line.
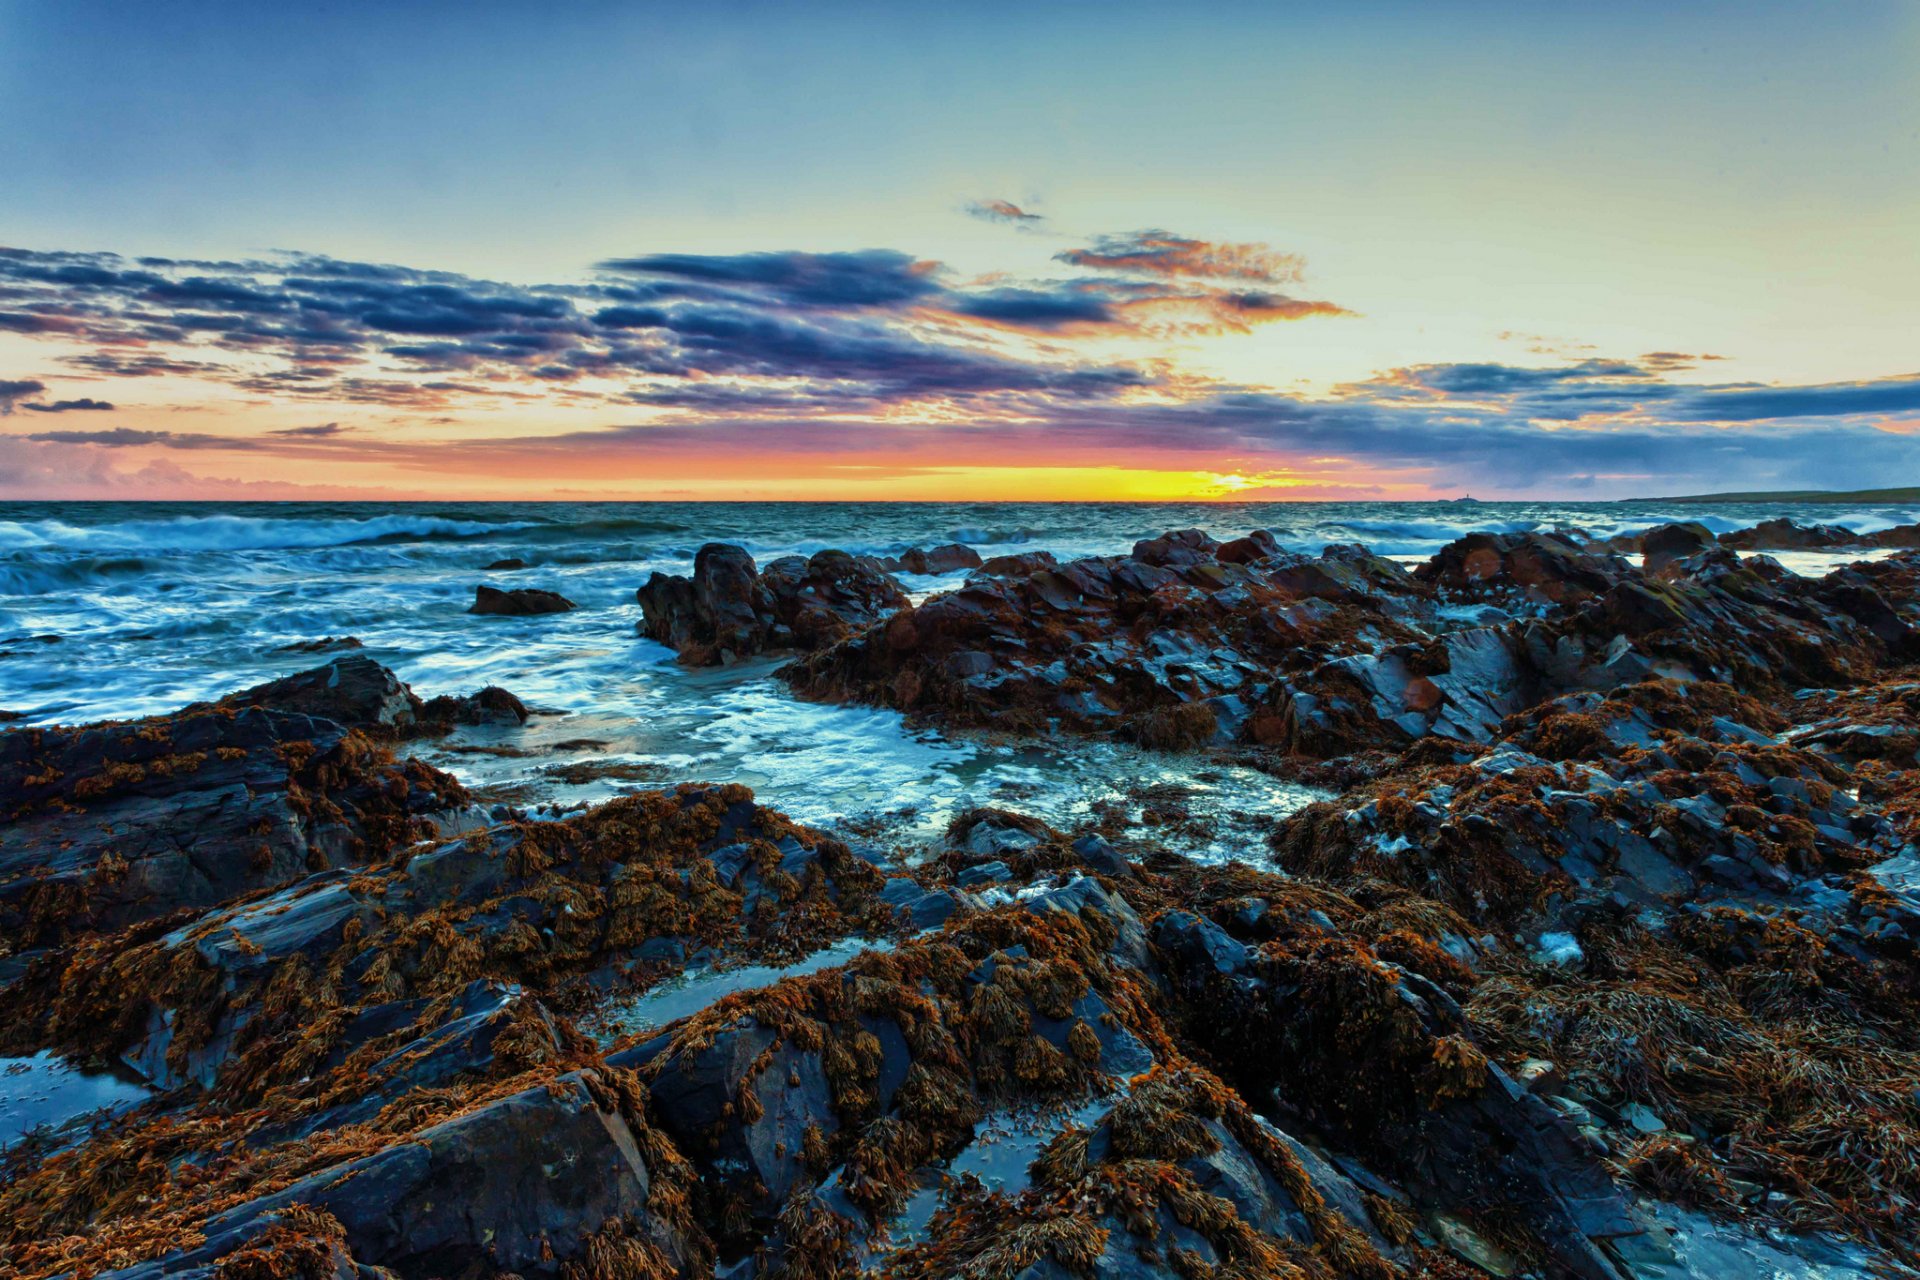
x=1909, y=494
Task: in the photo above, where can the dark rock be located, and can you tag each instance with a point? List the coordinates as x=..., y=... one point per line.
x=491, y=705
x=503, y=565
x=110, y=824
x=1670, y=542
x=729, y=609
x=947, y=558
x=1176, y=549
x=1168, y=654
x=518, y=602
x=1785, y=535
x=522, y=1185
x=325, y=644
x=354, y=691
x=1258, y=545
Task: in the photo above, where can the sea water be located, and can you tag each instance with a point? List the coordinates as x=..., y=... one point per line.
x=113, y=610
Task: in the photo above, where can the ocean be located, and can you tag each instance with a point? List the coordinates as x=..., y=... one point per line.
x=114, y=610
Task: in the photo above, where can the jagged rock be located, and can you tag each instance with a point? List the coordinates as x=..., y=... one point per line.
x=1541, y=568
x=110, y=824
x=541, y=904
x=1167, y=649
x=1438, y=1114
x=491, y=705
x=1660, y=547
x=518, y=602
x=1178, y=549
x=1784, y=534
x=1258, y=545
x=949, y=557
x=354, y=691
x=522, y=1185
x=729, y=609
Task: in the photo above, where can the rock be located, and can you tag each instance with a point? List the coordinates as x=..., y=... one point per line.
x=1258, y=545
x=325, y=644
x=948, y=558
x=518, y=602
x=354, y=691
x=502, y=566
x=1538, y=567
x=1783, y=534
x=730, y=609
x=1670, y=542
x=110, y=824
x=522, y=1185
x=491, y=705
x=535, y=904
x=1176, y=549
x=1169, y=650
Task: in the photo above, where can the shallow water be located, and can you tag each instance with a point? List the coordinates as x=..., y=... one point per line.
x=118, y=609
x=45, y=1092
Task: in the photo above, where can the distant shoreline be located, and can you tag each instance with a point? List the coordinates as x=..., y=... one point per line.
x=1911, y=494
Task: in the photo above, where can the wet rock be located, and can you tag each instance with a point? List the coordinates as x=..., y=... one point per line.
x=1169, y=650
x=354, y=691
x=524, y=1184
x=1454, y=1126
x=1541, y=568
x=518, y=602
x=730, y=609
x=325, y=644
x=1662, y=546
x=1783, y=534
x=110, y=824
x=949, y=557
x=1258, y=545
x=491, y=705
x=544, y=905
x=503, y=565
x=1178, y=549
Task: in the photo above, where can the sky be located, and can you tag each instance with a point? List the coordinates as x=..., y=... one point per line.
x=983, y=250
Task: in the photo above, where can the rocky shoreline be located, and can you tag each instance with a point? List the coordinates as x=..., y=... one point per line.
x=1597, y=961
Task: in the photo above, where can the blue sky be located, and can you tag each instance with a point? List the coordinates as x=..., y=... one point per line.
x=1523, y=185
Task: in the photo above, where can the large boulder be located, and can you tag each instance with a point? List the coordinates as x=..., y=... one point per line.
x=730, y=609
x=949, y=557
x=104, y=825
x=519, y=602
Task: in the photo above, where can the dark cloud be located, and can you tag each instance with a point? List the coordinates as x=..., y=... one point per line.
x=14, y=390
x=1161, y=253
x=872, y=324
x=870, y=278
x=830, y=351
x=1004, y=211
x=1035, y=308
x=82, y=405
x=322, y=431
x=1761, y=403
x=133, y=437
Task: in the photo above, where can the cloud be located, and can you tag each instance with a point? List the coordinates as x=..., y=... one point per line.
x=877, y=358
x=323, y=431
x=873, y=325
x=870, y=278
x=1762, y=403
x=1004, y=211
x=15, y=390
x=1161, y=253
x=134, y=437
x=83, y=405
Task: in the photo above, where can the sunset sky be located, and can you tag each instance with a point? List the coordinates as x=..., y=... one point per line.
x=979, y=250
